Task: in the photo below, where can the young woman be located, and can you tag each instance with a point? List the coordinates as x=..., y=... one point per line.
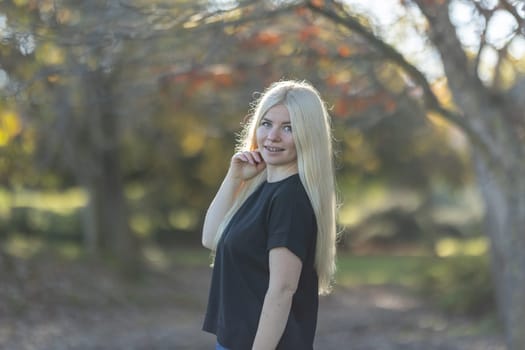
x=272, y=226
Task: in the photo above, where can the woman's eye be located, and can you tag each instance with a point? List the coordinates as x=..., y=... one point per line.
x=266, y=124
x=288, y=128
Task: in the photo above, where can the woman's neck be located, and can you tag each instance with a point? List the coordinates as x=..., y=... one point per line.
x=278, y=173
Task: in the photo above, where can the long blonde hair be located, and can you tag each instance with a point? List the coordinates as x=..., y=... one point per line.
x=312, y=136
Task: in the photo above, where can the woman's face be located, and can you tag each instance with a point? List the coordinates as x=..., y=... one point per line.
x=274, y=138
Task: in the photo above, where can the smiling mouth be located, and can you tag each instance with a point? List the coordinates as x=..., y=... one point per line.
x=273, y=149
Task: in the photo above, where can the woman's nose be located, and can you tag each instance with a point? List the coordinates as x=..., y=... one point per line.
x=273, y=135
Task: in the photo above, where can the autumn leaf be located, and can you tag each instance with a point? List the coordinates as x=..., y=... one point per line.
x=301, y=11
x=309, y=32
x=344, y=51
x=341, y=108
x=331, y=80
x=320, y=49
x=317, y=3
x=390, y=106
x=267, y=38
x=221, y=75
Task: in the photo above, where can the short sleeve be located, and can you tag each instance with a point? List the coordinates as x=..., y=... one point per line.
x=291, y=221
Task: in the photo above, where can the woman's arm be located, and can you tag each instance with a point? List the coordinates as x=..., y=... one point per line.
x=243, y=166
x=285, y=270
x=219, y=206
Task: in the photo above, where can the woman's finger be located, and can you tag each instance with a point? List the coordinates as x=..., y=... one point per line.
x=257, y=156
x=251, y=158
x=240, y=156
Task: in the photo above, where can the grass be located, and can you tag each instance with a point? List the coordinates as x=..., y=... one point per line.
x=189, y=256
x=379, y=270
x=351, y=270
x=60, y=202
x=198, y=256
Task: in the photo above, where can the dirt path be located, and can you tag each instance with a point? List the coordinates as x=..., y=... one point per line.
x=390, y=318
x=86, y=310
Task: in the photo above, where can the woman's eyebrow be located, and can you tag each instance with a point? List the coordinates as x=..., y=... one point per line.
x=264, y=119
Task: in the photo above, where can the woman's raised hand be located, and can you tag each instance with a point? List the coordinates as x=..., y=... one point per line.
x=245, y=165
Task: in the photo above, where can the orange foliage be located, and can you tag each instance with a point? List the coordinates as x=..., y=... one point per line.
x=349, y=105
x=390, y=106
x=320, y=49
x=189, y=82
x=308, y=32
x=181, y=78
x=331, y=80
x=341, y=108
x=195, y=83
x=267, y=38
x=317, y=3
x=223, y=79
x=221, y=75
x=344, y=50
x=301, y=11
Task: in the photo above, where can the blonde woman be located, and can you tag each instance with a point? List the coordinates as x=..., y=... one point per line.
x=272, y=226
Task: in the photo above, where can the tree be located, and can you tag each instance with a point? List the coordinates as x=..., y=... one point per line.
x=67, y=79
x=85, y=72
x=86, y=77
x=488, y=108
x=490, y=113
x=117, y=100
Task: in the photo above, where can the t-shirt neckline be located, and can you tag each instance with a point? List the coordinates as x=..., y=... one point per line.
x=282, y=180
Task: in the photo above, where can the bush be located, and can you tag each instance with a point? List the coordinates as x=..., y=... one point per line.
x=460, y=284
x=45, y=224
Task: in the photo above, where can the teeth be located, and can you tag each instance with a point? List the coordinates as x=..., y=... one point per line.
x=272, y=149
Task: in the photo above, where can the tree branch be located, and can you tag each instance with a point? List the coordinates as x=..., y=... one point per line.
x=430, y=99
x=487, y=14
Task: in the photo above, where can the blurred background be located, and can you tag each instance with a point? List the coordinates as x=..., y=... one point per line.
x=118, y=120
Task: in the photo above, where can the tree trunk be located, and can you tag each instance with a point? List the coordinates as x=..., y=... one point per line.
x=504, y=196
x=108, y=212
x=499, y=167
x=106, y=225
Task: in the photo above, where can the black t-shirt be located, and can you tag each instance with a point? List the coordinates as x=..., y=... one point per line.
x=277, y=214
